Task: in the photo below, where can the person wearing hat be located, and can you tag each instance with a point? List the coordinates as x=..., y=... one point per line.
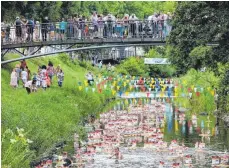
x=18, y=24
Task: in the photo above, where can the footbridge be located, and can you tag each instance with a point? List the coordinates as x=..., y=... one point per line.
x=30, y=41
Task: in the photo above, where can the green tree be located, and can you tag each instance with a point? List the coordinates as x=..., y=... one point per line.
x=196, y=24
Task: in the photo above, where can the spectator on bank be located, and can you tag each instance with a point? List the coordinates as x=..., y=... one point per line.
x=13, y=79
x=109, y=67
x=60, y=76
x=24, y=76
x=50, y=71
x=100, y=65
x=23, y=64
x=44, y=77
x=90, y=78
x=38, y=77
x=29, y=86
x=48, y=81
x=57, y=69
x=28, y=72
x=18, y=71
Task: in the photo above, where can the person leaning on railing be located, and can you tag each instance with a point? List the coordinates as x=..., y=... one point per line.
x=100, y=26
x=157, y=25
x=44, y=28
x=63, y=26
x=30, y=27
x=18, y=24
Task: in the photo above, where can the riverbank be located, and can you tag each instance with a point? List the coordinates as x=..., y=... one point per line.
x=47, y=117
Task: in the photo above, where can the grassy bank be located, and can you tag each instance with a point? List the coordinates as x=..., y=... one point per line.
x=48, y=116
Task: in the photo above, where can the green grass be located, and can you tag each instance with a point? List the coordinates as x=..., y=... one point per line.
x=47, y=116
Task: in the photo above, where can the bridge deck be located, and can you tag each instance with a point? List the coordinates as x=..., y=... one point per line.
x=155, y=41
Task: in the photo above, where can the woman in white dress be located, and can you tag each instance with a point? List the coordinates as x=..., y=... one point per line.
x=13, y=80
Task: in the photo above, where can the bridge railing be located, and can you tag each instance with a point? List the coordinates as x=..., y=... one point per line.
x=63, y=31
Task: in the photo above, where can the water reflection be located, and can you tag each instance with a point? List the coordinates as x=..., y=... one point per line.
x=195, y=128
x=155, y=133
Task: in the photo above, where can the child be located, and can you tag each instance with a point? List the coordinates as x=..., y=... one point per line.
x=28, y=85
x=34, y=86
x=38, y=77
x=44, y=79
x=48, y=81
x=60, y=76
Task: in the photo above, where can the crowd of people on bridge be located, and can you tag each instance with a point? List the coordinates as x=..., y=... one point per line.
x=96, y=26
x=42, y=79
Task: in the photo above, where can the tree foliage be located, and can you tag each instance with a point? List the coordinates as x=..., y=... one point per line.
x=160, y=70
x=133, y=66
x=57, y=9
x=204, y=82
x=196, y=24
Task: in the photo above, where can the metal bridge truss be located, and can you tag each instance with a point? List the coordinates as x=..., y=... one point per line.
x=33, y=52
